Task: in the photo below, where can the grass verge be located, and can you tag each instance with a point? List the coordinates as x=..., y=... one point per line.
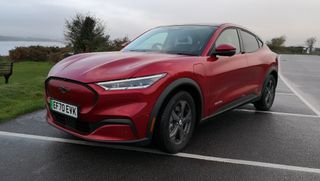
x=25, y=91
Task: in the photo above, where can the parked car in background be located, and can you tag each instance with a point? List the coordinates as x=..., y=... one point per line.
x=161, y=85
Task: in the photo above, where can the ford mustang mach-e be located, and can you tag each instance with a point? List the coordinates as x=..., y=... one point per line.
x=161, y=84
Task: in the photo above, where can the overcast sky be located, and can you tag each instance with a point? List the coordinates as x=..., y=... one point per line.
x=296, y=19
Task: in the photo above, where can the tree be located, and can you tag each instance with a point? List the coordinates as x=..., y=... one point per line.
x=117, y=44
x=85, y=33
x=277, y=42
x=310, y=43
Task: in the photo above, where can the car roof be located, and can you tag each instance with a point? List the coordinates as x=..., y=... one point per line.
x=203, y=24
x=191, y=24
x=209, y=24
x=217, y=25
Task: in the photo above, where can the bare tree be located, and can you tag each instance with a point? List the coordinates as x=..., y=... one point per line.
x=310, y=43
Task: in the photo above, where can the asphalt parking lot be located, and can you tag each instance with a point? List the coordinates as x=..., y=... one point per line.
x=282, y=144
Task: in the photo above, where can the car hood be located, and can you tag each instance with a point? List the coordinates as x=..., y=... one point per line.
x=104, y=66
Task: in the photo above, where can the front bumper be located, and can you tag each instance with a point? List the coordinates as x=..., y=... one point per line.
x=109, y=133
x=107, y=116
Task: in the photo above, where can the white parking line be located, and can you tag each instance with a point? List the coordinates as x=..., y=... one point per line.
x=299, y=96
x=278, y=113
x=182, y=155
x=313, y=108
x=285, y=93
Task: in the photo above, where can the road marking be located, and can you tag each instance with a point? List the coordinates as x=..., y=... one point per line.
x=315, y=110
x=250, y=163
x=285, y=93
x=278, y=113
x=181, y=155
x=299, y=95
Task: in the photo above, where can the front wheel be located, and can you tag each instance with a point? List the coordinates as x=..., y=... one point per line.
x=267, y=94
x=177, y=122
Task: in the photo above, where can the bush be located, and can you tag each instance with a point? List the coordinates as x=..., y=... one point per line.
x=55, y=57
x=38, y=53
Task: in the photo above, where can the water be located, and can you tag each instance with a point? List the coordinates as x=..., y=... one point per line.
x=5, y=46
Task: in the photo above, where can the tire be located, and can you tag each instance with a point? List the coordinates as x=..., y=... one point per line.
x=177, y=123
x=267, y=94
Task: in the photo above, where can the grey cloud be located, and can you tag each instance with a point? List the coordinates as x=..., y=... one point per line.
x=269, y=18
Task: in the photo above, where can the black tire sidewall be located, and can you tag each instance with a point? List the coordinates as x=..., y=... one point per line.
x=262, y=104
x=164, y=122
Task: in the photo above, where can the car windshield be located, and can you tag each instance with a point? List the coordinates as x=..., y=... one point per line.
x=184, y=40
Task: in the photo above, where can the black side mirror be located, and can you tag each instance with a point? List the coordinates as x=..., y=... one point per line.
x=224, y=50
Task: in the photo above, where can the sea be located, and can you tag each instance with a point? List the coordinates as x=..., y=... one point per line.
x=5, y=46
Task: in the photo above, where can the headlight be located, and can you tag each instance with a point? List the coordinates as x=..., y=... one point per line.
x=134, y=83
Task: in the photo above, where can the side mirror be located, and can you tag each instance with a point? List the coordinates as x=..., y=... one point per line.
x=224, y=50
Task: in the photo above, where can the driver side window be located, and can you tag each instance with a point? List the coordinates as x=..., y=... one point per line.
x=229, y=36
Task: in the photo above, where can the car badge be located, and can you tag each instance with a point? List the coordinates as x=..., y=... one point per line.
x=63, y=90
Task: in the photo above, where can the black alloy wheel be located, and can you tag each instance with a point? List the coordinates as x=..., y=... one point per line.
x=177, y=122
x=268, y=94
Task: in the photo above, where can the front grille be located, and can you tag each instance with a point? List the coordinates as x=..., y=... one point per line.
x=78, y=94
x=72, y=123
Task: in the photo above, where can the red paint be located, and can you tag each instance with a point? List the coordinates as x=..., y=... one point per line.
x=225, y=47
x=219, y=78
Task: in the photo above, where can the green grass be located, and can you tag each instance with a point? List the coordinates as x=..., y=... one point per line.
x=2, y=59
x=25, y=91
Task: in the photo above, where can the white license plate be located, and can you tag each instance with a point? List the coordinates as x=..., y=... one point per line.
x=63, y=108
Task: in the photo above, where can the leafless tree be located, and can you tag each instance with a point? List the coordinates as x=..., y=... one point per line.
x=310, y=43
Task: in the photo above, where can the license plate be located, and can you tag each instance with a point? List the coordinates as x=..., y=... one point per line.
x=63, y=108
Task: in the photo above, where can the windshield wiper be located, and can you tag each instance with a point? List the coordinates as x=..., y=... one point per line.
x=169, y=52
x=182, y=53
x=138, y=50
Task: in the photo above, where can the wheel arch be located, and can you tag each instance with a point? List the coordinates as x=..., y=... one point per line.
x=274, y=72
x=185, y=84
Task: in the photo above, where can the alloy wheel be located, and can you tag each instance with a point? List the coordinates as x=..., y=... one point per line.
x=270, y=92
x=180, y=122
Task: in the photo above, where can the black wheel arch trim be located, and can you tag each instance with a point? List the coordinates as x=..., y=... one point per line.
x=161, y=99
x=270, y=71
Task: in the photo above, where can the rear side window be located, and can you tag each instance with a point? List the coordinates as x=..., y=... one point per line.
x=229, y=36
x=250, y=42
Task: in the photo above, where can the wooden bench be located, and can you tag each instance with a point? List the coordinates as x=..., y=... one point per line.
x=6, y=70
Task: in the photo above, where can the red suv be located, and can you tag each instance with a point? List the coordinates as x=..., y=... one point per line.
x=161, y=85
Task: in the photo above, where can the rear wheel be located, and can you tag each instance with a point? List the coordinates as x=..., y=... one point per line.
x=177, y=123
x=267, y=95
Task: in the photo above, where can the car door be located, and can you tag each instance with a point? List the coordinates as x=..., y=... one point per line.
x=254, y=55
x=226, y=74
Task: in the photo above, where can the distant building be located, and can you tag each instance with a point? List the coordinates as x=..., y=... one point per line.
x=314, y=49
x=306, y=50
